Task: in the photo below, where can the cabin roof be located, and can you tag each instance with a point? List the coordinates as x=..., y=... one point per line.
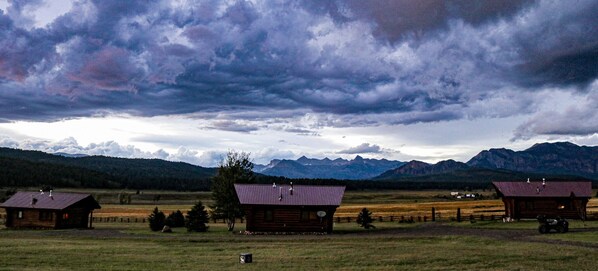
x=551, y=189
x=58, y=201
x=303, y=195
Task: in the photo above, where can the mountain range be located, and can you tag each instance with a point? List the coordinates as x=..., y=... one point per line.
x=308, y=168
x=561, y=160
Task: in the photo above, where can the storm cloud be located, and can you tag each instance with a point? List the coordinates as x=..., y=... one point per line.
x=343, y=63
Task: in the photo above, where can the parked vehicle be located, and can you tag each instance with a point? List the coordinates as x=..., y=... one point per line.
x=547, y=224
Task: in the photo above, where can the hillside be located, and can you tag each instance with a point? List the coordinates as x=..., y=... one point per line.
x=20, y=167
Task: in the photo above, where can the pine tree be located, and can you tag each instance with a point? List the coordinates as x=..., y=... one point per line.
x=364, y=219
x=156, y=220
x=175, y=219
x=197, y=218
x=236, y=168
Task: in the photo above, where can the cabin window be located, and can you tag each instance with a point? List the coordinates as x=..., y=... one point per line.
x=304, y=215
x=45, y=216
x=308, y=215
x=529, y=205
x=313, y=215
x=563, y=205
x=20, y=214
x=268, y=215
x=65, y=216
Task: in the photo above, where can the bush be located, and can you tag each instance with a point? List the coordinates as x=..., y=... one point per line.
x=197, y=218
x=175, y=219
x=157, y=220
x=364, y=219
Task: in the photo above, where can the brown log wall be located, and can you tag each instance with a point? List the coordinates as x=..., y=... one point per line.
x=30, y=219
x=288, y=219
x=518, y=208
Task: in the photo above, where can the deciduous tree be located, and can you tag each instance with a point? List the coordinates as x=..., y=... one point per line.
x=235, y=168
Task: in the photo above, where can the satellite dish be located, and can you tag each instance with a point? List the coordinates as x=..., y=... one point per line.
x=321, y=214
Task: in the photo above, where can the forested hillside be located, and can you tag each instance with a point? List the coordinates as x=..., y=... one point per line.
x=32, y=168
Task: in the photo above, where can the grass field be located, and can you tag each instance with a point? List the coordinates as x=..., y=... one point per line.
x=392, y=246
x=484, y=245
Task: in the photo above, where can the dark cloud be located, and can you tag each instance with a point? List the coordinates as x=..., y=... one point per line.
x=363, y=148
x=577, y=120
x=348, y=62
x=561, y=50
x=399, y=19
x=233, y=126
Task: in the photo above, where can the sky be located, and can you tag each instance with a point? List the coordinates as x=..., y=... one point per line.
x=190, y=80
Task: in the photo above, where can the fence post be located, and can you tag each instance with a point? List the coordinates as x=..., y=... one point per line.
x=433, y=214
x=425, y=219
x=380, y=218
x=392, y=218
x=458, y=214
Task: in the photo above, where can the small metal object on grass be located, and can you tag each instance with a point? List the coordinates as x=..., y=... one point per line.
x=245, y=258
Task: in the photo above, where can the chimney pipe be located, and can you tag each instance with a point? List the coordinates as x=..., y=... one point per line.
x=291, y=189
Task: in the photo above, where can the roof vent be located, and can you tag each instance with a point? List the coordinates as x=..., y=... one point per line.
x=527, y=180
x=273, y=185
x=291, y=189
x=543, y=182
x=33, y=200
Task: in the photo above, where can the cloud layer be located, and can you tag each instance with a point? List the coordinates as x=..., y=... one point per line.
x=251, y=65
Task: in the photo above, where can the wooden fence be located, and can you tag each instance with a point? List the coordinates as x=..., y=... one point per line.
x=347, y=219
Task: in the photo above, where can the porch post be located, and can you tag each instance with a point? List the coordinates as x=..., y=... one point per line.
x=91, y=219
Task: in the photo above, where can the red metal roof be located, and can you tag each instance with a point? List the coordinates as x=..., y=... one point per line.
x=303, y=195
x=551, y=189
x=58, y=201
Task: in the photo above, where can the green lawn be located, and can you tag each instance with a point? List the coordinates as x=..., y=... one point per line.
x=392, y=246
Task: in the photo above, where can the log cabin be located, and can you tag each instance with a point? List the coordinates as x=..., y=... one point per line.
x=47, y=210
x=288, y=208
x=532, y=198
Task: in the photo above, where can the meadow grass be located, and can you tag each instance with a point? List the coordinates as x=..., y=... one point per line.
x=590, y=237
x=133, y=247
